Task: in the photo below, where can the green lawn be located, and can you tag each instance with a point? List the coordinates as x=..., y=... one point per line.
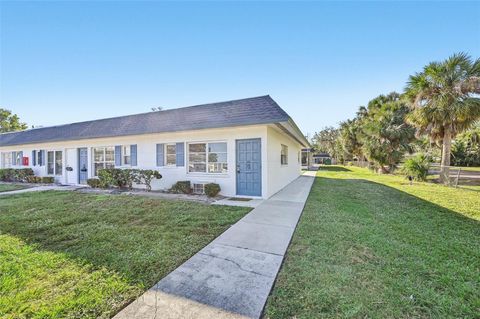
x=473, y=169
x=11, y=187
x=373, y=246
x=72, y=255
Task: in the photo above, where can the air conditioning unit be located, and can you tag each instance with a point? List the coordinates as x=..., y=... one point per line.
x=199, y=188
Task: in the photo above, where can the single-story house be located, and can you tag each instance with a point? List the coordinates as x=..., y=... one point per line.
x=250, y=147
x=322, y=158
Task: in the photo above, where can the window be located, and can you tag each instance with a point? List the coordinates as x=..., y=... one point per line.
x=197, y=157
x=55, y=163
x=217, y=157
x=207, y=157
x=103, y=157
x=126, y=158
x=17, y=158
x=171, y=154
x=6, y=159
x=284, y=155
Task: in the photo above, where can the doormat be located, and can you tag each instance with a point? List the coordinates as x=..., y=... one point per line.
x=240, y=199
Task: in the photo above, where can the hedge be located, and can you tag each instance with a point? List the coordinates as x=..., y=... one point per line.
x=15, y=174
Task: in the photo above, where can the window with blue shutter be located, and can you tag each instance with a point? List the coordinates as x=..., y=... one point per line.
x=118, y=155
x=34, y=158
x=133, y=154
x=41, y=156
x=160, y=155
x=180, y=154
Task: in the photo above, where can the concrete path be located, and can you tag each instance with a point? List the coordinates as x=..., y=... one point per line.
x=41, y=189
x=233, y=275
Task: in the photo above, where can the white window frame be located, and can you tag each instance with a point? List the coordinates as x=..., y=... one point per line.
x=5, y=163
x=105, y=162
x=283, y=155
x=126, y=153
x=207, y=162
x=15, y=161
x=166, y=154
x=55, y=171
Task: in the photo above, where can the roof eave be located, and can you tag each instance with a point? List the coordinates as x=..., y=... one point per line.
x=292, y=129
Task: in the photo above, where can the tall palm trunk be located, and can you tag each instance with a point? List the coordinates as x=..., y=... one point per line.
x=446, y=150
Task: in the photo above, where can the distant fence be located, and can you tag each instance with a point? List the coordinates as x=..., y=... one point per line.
x=457, y=176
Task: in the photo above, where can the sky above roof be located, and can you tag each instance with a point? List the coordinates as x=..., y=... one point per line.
x=63, y=62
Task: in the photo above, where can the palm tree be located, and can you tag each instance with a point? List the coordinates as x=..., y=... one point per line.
x=384, y=135
x=444, y=102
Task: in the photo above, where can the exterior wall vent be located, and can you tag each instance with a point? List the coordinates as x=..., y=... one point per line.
x=199, y=188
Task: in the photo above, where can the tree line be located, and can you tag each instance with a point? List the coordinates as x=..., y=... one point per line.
x=439, y=104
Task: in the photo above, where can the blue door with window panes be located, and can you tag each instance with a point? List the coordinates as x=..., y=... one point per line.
x=82, y=165
x=249, y=167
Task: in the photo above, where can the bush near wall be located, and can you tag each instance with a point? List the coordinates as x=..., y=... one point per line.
x=93, y=182
x=48, y=180
x=15, y=174
x=212, y=189
x=124, y=178
x=34, y=179
x=182, y=187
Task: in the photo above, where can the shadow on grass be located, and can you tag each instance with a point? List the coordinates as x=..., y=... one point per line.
x=140, y=238
x=377, y=245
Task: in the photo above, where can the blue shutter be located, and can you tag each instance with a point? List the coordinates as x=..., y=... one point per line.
x=180, y=154
x=133, y=154
x=118, y=155
x=34, y=158
x=14, y=158
x=160, y=157
x=21, y=158
x=41, y=159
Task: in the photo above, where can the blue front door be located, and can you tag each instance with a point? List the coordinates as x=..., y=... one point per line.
x=249, y=167
x=82, y=165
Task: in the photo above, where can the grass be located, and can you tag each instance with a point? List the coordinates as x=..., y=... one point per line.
x=72, y=255
x=470, y=168
x=11, y=187
x=373, y=246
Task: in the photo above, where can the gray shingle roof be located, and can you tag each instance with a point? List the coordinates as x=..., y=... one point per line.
x=250, y=111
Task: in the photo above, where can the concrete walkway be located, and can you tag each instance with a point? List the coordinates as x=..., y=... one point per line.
x=233, y=275
x=41, y=189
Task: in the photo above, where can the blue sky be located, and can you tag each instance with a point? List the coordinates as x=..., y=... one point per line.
x=63, y=62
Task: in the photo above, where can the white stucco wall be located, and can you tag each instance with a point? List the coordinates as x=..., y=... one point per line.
x=278, y=175
x=274, y=175
x=146, y=154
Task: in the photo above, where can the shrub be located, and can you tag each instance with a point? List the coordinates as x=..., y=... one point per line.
x=212, y=189
x=93, y=182
x=33, y=179
x=182, y=187
x=417, y=167
x=117, y=177
x=22, y=174
x=15, y=174
x=48, y=180
x=105, y=178
x=6, y=174
x=122, y=178
x=145, y=177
